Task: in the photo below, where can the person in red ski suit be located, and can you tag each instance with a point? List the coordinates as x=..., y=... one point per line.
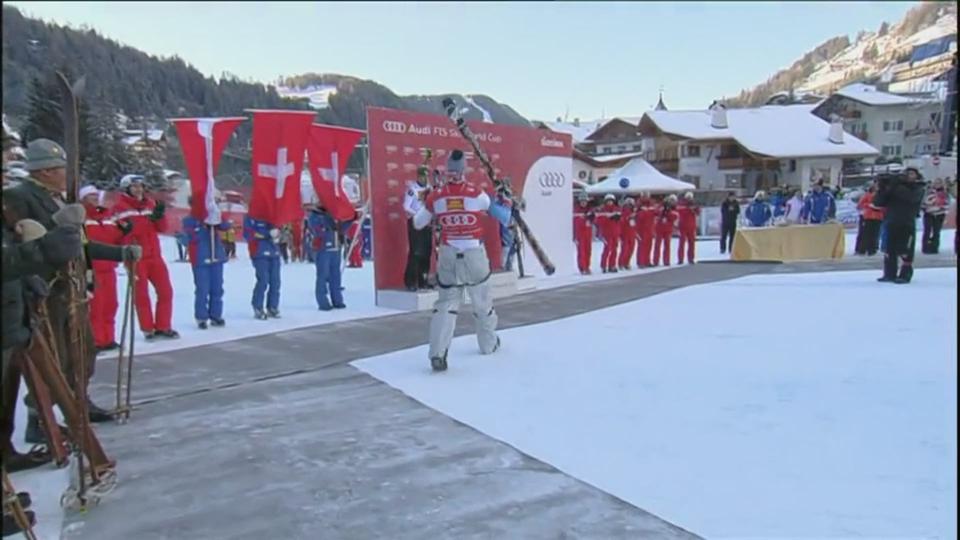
x=645, y=217
x=665, y=222
x=688, y=211
x=583, y=234
x=608, y=221
x=101, y=227
x=355, y=257
x=628, y=233
x=146, y=218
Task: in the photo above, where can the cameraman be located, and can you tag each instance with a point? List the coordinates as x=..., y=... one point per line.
x=902, y=197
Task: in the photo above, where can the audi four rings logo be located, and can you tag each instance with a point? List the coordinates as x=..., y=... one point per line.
x=451, y=220
x=552, y=179
x=393, y=126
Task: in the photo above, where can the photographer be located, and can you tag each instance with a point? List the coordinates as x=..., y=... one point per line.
x=901, y=197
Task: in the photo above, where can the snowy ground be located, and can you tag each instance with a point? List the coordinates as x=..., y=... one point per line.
x=835, y=417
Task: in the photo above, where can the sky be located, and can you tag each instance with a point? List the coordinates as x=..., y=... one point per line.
x=546, y=60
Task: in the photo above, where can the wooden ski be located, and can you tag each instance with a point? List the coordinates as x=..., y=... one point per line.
x=451, y=110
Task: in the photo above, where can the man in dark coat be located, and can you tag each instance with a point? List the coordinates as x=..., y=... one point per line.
x=39, y=197
x=25, y=254
x=729, y=214
x=902, y=197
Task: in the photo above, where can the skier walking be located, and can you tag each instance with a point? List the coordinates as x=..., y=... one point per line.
x=207, y=257
x=608, y=222
x=583, y=234
x=261, y=238
x=688, y=212
x=147, y=221
x=101, y=227
x=666, y=220
x=327, y=234
x=628, y=232
x=462, y=263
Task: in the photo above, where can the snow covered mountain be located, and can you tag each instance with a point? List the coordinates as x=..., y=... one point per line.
x=908, y=56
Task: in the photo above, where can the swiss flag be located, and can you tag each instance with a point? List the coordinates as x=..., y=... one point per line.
x=202, y=141
x=279, y=141
x=329, y=149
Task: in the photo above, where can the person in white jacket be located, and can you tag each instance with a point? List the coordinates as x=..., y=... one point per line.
x=791, y=214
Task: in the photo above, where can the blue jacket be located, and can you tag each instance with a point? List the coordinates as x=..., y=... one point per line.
x=778, y=201
x=818, y=207
x=198, y=239
x=758, y=214
x=259, y=241
x=500, y=209
x=323, y=228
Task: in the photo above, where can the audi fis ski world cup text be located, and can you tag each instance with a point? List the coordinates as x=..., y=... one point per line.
x=402, y=128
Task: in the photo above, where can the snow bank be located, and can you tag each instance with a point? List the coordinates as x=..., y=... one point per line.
x=788, y=415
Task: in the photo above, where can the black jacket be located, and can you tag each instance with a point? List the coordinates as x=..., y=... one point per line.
x=29, y=200
x=19, y=261
x=902, y=200
x=729, y=211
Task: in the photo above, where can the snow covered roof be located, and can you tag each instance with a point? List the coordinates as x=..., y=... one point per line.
x=781, y=131
x=579, y=133
x=640, y=176
x=133, y=136
x=865, y=93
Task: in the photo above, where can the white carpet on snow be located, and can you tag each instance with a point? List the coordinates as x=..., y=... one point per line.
x=804, y=405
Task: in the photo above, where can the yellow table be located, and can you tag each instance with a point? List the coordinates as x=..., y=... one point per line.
x=791, y=243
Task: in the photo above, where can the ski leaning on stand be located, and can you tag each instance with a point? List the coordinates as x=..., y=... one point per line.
x=500, y=184
x=100, y=472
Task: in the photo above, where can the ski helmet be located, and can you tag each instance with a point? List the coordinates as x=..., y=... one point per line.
x=609, y=197
x=130, y=179
x=688, y=195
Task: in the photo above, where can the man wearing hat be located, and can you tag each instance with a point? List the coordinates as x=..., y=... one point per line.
x=419, y=242
x=460, y=208
x=902, y=199
x=40, y=197
x=147, y=221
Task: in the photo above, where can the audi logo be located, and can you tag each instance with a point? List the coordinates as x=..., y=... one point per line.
x=394, y=126
x=552, y=179
x=451, y=220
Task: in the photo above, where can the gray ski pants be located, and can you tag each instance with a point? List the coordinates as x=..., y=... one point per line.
x=457, y=271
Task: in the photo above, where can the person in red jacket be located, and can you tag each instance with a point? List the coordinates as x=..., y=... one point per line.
x=101, y=227
x=583, y=234
x=665, y=222
x=688, y=211
x=628, y=232
x=146, y=218
x=608, y=221
x=868, y=237
x=646, y=215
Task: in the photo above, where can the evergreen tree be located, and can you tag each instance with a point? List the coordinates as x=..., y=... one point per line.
x=44, y=119
x=108, y=159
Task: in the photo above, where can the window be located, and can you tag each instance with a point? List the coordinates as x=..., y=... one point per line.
x=922, y=149
x=730, y=151
x=622, y=148
x=935, y=119
x=793, y=165
x=893, y=150
x=691, y=150
x=695, y=180
x=733, y=180
x=892, y=125
x=637, y=147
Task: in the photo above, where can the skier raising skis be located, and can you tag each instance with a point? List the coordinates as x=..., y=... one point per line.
x=458, y=208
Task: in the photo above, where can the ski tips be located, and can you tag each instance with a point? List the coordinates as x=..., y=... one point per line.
x=449, y=106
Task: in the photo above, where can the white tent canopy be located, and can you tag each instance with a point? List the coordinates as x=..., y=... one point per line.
x=638, y=176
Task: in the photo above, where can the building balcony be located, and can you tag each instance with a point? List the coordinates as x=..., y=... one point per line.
x=668, y=165
x=919, y=132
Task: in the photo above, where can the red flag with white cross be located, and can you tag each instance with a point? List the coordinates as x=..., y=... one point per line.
x=279, y=142
x=329, y=149
x=202, y=141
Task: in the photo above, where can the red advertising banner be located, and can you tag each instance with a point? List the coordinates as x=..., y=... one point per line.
x=396, y=143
